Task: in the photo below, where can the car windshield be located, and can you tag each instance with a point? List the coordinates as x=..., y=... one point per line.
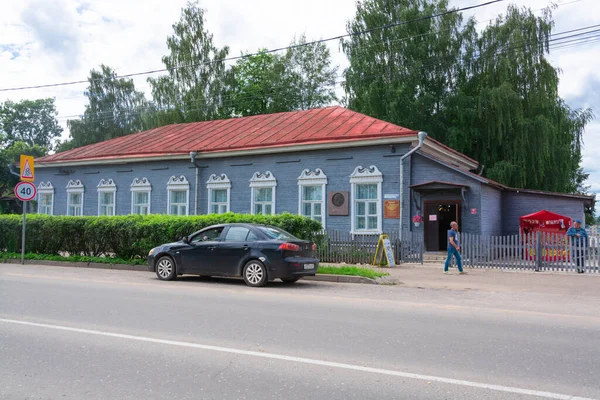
x=276, y=233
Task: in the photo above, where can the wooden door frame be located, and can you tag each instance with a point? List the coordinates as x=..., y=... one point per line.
x=458, y=204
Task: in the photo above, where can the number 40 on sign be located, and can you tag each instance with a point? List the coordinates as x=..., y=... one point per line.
x=25, y=191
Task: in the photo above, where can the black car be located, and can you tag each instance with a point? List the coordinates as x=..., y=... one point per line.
x=258, y=253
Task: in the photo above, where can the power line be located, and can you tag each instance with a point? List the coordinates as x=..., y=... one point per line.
x=312, y=43
x=425, y=66
x=556, y=39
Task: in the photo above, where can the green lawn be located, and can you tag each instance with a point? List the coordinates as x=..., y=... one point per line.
x=350, y=270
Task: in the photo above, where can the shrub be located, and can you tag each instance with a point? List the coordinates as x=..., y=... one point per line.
x=127, y=236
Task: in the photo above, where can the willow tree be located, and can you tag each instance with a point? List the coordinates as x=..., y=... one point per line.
x=492, y=95
x=508, y=113
x=404, y=73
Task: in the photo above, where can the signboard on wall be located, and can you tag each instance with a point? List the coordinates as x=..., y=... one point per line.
x=432, y=217
x=337, y=203
x=391, y=209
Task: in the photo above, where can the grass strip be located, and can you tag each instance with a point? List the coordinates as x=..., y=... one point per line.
x=84, y=259
x=350, y=270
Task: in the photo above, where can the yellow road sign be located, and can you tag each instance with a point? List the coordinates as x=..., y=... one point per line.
x=27, y=168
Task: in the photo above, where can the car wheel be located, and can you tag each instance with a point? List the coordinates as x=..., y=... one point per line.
x=165, y=269
x=290, y=280
x=255, y=274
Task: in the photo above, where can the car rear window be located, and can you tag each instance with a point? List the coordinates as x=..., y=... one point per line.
x=276, y=233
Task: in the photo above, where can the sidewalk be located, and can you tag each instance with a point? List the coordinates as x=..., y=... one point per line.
x=431, y=276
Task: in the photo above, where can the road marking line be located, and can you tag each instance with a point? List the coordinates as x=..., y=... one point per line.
x=429, y=378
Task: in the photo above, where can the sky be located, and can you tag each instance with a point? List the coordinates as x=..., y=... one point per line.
x=53, y=41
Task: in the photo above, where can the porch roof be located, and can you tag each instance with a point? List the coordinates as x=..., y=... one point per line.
x=437, y=185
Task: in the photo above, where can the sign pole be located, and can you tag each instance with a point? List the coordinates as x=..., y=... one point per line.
x=23, y=233
x=25, y=191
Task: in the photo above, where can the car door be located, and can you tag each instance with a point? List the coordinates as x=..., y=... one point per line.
x=233, y=249
x=200, y=256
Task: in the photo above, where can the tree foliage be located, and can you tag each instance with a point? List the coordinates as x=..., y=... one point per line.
x=491, y=95
x=27, y=127
x=197, y=83
x=29, y=121
x=10, y=155
x=300, y=79
x=114, y=109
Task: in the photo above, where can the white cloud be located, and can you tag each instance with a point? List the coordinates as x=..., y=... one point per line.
x=61, y=40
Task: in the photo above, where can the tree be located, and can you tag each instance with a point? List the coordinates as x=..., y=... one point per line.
x=197, y=82
x=299, y=79
x=405, y=73
x=520, y=128
x=493, y=96
x=114, y=109
x=30, y=121
x=27, y=127
x=261, y=85
x=310, y=74
x=11, y=155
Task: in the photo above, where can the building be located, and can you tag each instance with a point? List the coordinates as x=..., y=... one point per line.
x=331, y=164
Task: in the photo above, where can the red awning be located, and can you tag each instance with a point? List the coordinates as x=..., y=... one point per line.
x=545, y=221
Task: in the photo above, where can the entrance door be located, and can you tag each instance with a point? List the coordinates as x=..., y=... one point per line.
x=438, y=216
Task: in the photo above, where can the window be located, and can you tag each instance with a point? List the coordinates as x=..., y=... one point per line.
x=140, y=196
x=75, y=192
x=107, y=197
x=263, y=193
x=237, y=234
x=209, y=235
x=179, y=195
x=45, y=198
x=311, y=194
x=276, y=233
x=366, y=200
x=263, y=201
x=219, y=190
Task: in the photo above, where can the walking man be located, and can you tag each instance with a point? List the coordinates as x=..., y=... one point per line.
x=453, y=249
x=579, y=243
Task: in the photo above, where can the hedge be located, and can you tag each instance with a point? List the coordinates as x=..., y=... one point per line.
x=127, y=236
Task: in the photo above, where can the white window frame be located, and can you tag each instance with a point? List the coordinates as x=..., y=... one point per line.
x=366, y=176
x=178, y=184
x=313, y=178
x=107, y=186
x=266, y=180
x=46, y=188
x=75, y=186
x=218, y=182
x=141, y=185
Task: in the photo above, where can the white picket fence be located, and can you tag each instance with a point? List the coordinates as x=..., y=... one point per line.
x=538, y=251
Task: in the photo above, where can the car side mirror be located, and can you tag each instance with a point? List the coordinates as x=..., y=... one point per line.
x=185, y=239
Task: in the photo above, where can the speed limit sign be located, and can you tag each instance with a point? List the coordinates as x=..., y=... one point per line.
x=25, y=191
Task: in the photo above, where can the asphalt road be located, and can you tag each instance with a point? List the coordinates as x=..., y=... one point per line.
x=69, y=333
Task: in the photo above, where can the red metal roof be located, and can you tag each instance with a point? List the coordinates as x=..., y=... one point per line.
x=317, y=126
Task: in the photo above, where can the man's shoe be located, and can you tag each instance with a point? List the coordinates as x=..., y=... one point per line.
x=445, y=272
x=462, y=273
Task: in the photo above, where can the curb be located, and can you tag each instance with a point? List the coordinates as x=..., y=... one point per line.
x=340, y=279
x=122, y=267
x=128, y=267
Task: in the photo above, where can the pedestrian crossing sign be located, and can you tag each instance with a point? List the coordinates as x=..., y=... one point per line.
x=27, y=168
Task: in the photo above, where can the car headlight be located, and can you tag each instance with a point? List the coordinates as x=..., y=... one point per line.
x=152, y=251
